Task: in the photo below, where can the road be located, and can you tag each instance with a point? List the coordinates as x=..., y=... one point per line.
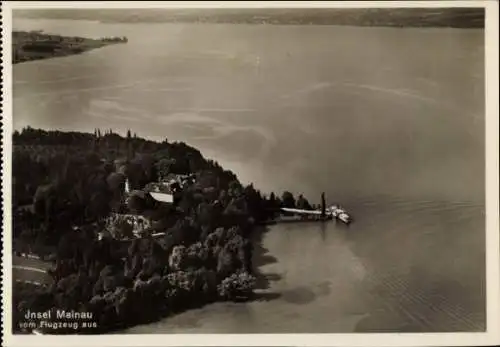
x=32, y=270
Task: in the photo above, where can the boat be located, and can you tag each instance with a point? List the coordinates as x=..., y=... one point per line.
x=344, y=217
x=339, y=213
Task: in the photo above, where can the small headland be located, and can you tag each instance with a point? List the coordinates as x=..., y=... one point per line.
x=36, y=45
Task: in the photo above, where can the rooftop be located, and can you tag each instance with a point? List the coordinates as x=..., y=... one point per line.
x=162, y=197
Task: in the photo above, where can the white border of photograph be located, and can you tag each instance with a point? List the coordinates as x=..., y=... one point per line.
x=491, y=337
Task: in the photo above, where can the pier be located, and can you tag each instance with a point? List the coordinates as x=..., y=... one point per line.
x=320, y=215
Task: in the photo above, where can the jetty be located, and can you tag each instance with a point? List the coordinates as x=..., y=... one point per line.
x=323, y=214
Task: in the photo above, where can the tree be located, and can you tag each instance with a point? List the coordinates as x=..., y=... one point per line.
x=207, y=215
x=99, y=204
x=136, y=175
x=147, y=163
x=120, y=227
x=178, y=258
x=235, y=189
x=164, y=167
x=136, y=202
x=226, y=262
x=116, y=182
x=197, y=255
x=45, y=200
x=323, y=204
x=272, y=198
x=128, y=144
x=238, y=286
x=288, y=200
x=302, y=203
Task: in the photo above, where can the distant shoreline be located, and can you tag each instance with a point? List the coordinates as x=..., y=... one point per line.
x=363, y=17
x=36, y=45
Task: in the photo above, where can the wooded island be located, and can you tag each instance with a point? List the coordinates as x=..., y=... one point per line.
x=82, y=203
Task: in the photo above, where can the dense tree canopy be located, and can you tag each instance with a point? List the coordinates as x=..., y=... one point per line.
x=201, y=250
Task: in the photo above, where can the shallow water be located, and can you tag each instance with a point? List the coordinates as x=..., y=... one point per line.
x=389, y=122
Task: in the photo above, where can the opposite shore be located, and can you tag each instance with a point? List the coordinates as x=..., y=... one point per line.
x=388, y=17
x=36, y=45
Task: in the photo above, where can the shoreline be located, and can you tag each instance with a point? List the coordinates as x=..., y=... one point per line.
x=363, y=17
x=35, y=45
x=262, y=292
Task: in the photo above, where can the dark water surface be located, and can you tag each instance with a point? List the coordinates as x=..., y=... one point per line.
x=389, y=122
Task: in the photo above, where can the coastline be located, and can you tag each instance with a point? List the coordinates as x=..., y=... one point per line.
x=35, y=45
x=262, y=291
x=364, y=17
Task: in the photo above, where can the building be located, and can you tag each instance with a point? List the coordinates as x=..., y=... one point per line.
x=163, y=197
x=161, y=192
x=167, y=190
x=126, y=226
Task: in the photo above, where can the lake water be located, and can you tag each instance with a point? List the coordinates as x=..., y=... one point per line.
x=387, y=121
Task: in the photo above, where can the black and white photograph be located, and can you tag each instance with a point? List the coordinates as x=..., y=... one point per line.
x=198, y=169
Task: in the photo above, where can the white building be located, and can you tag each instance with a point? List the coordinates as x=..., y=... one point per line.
x=162, y=197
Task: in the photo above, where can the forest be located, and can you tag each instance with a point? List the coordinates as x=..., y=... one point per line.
x=66, y=185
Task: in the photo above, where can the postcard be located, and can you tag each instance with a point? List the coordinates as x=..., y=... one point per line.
x=250, y=173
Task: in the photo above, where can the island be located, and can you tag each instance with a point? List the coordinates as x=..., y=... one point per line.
x=35, y=45
x=121, y=230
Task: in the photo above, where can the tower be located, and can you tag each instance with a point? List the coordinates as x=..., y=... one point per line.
x=127, y=186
